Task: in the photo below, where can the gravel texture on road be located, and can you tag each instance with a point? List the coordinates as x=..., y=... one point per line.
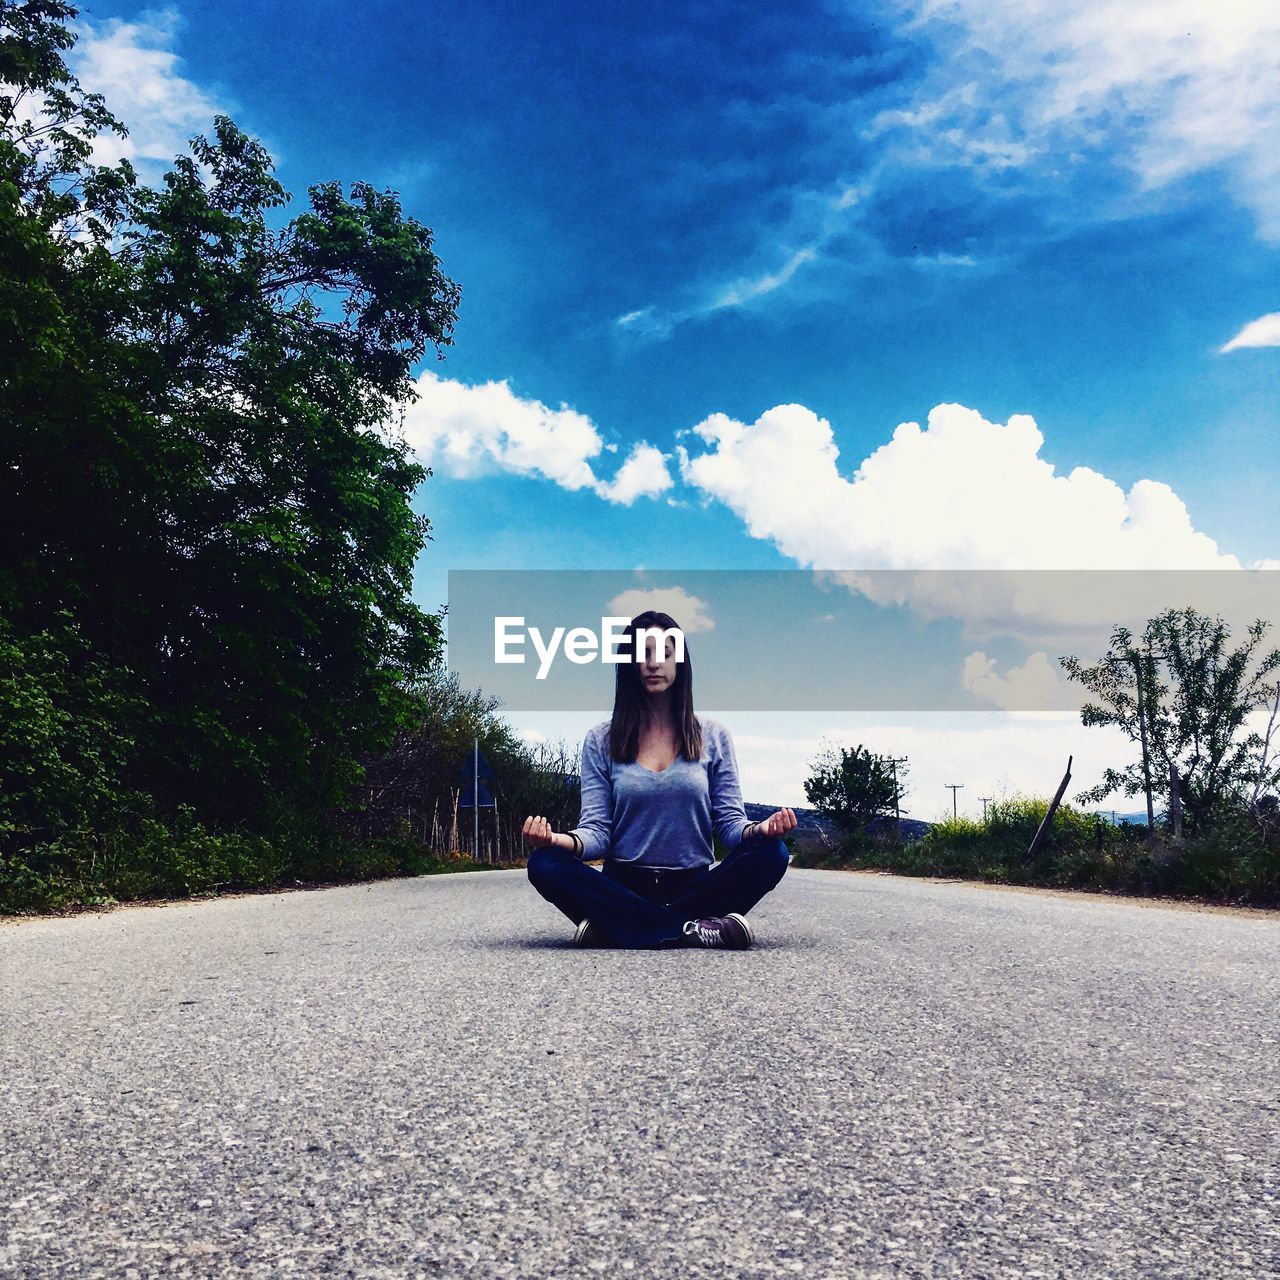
x=423, y=1078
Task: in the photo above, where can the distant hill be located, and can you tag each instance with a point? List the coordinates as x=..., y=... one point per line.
x=810, y=823
x=1136, y=819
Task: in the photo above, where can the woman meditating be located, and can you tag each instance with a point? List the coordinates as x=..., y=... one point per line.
x=656, y=781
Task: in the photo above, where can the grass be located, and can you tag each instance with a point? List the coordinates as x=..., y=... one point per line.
x=159, y=868
x=1236, y=862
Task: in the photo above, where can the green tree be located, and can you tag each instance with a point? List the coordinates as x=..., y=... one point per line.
x=1186, y=693
x=851, y=786
x=207, y=503
x=266, y=363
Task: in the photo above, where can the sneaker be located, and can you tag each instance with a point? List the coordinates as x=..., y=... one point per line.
x=589, y=935
x=731, y=931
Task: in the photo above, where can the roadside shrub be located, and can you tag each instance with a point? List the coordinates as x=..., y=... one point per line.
x=1235, y=858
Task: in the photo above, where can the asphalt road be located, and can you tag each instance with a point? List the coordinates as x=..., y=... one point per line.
x=422, y=1078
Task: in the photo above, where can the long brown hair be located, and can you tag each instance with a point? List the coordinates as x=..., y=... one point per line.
x=629, y=696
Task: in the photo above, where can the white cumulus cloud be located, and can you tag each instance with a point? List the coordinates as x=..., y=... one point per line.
x=960, y=493
x=1036, y=684
x=692, y=613
x=643, y=475
x=469, y=431
x=966, y=494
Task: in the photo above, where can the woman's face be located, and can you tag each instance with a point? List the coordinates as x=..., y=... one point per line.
x=658, y=670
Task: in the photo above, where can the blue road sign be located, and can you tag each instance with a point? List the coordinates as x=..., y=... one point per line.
x=467, y=799
x=469, y=769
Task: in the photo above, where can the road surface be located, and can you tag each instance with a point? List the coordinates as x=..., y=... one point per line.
x=422, y=1078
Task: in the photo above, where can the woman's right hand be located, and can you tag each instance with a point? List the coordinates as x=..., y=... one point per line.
x=537, y=832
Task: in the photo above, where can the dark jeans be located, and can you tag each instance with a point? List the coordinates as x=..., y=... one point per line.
x=646, y=907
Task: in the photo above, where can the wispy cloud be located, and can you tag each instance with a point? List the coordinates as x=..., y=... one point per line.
x=134, y=66
x=1162, y=89
x=1028, y=119
x=655, y=321
x=742, y=291
x=1262, y=332
x=816, y=219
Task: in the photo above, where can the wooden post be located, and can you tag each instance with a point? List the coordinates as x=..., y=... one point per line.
x=1043, y=829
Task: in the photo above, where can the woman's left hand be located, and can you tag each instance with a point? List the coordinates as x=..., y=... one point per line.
x=777, y=823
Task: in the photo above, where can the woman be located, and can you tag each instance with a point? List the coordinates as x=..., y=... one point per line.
x=656, y=781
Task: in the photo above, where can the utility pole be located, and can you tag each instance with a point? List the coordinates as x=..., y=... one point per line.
x=1135, y=658
x=894, y=762
x=986, y=800
x=1175, y=802
x=954, y=787
x=1146, y=758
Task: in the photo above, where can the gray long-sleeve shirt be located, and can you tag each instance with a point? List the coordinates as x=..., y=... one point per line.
x=634, y=814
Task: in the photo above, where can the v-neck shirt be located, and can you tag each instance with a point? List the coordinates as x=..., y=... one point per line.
x=660, y=818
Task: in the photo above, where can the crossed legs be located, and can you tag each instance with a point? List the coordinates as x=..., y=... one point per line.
x=632, y=920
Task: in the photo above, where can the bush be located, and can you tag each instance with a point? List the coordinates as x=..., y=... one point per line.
x=142, y=855
x=1236, y=858
x=65, y=737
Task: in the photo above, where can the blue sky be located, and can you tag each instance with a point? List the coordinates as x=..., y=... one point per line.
x=739, y=245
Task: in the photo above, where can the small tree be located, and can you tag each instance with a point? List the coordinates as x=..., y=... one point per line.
x=1183, y=695
x=852, y=786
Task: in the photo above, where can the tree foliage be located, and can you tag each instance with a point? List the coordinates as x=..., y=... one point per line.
x=1197, y=692
x=209, y=539
x=416, y=783
x=851, y=786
